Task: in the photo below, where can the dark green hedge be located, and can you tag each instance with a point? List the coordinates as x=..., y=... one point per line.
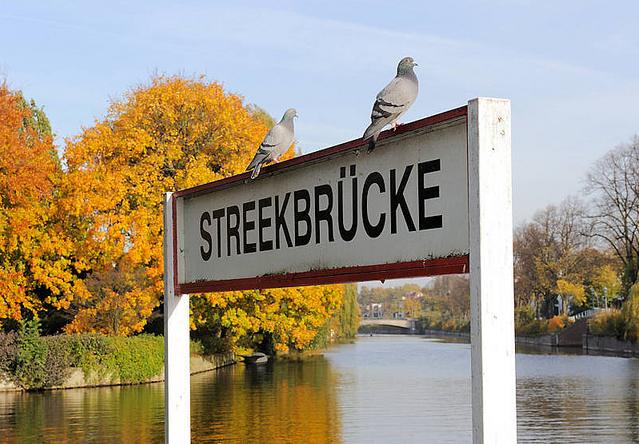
x=35, y=362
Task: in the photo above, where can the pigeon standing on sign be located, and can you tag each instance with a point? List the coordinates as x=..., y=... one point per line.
x=393, y=101
x=275, y=144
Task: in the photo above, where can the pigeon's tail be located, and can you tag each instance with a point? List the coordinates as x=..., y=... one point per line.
x=372, y=143
x=261, y=157
x=256, y=171
x=254, y=163
x=373, y=131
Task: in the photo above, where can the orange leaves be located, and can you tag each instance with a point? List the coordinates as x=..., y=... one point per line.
x=172, y=134
x=116, y=301
x=555, y=324
x=27, y=167
x=13, y=295
x=28, y=171
x=96, y=249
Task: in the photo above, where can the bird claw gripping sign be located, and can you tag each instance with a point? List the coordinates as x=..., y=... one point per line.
x=336, y=215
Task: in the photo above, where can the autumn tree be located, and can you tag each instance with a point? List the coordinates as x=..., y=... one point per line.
x=390, y=297
x=546, y=250
x=35, y=265
x=575, y=293
x=412, y=307
x=276, y=319
x=169, y=135
x=606, y=283
x=452, y=296
x=613, y=182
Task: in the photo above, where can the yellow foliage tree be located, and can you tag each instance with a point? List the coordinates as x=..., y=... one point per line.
x=169, y=135
x=412, y=307
x=607, y=280
x=290, y=316
x=576, y=291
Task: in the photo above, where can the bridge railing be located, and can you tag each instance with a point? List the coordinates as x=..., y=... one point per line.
x=586, y=314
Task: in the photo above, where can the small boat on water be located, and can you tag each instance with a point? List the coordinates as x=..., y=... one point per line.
x=255, y=358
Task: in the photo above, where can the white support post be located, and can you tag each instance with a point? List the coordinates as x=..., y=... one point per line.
x=177, y=415
x=491, y=272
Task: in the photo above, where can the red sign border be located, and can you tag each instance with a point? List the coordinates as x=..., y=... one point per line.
x=420, y=268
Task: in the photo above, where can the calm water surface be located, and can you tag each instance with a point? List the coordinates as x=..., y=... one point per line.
x=377, y=390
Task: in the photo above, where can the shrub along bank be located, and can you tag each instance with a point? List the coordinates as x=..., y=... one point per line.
x=621, y=323
x=34, y=362
x=527, y=325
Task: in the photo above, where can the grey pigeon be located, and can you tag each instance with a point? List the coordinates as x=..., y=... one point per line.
x=275, y=144
x=393, y=101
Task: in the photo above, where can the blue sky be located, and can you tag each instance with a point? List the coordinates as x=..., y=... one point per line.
x=570, y=68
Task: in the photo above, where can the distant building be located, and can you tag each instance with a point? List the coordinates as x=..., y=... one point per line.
x=373, y=311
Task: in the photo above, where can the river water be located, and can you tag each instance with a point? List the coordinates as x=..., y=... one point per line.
x=381, y=389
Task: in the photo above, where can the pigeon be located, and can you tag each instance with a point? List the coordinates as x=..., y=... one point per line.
x=275, y=144
x=393, y=101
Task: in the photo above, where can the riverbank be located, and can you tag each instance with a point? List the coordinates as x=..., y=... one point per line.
x=590, y=344
x=77, y=378
x=29, y=361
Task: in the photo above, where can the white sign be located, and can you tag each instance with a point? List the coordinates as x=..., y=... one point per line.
x=336, y=210
x=435, y=197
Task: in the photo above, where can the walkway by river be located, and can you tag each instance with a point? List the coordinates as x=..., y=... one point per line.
x=380, y=389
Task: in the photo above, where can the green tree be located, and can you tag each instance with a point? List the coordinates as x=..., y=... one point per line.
x=348, y=316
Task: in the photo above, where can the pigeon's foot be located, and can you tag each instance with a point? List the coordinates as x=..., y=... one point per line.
x=396, y=125
x=371, y=146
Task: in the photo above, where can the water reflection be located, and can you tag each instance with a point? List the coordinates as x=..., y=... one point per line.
x=109, y=414
x=283, y=402
x=577, y=399
x=379, y=389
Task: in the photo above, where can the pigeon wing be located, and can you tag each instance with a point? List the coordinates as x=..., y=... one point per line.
x=395, y=98
x=270, y=146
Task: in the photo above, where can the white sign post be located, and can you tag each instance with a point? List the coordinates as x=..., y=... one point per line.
x=177, y=356
x=434, y=195
x=491, y=272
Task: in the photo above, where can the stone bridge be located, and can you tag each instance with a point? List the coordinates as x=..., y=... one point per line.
x=405, y=324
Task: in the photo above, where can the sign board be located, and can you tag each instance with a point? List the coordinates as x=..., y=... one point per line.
x=337, y=215
x=434, y=198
